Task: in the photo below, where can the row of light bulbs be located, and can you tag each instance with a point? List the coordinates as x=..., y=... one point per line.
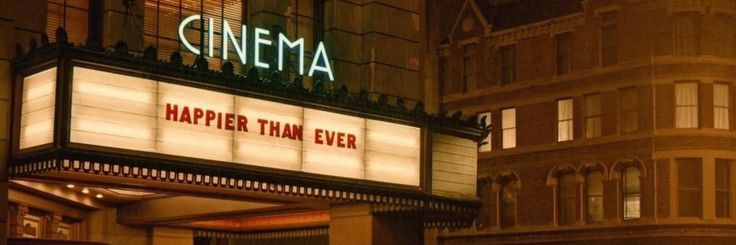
x=85, y=190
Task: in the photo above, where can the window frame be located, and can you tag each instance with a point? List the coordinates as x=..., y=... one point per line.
x=625, y=193
x=504, y=129
x=727, y=189
x=679, y=38
x=508, y=64
x=679, y=106
x=507, y=184
x=562, y=200
x=698, y=189
x=487, y=196
x=69, y=23
x=609, y=26
x=626, y=114
x=568, y=122
x=590, y=117
x=726, y=107
x=470, y=53
x=564, y=52
x=588, y=217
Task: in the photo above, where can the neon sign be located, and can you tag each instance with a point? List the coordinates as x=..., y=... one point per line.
x=259, y=40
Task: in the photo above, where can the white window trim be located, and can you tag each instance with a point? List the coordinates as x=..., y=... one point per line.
x=569, y=123
x=505, y=128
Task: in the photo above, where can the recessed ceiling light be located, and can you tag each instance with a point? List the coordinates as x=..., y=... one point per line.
x=99, y=196
x=85, y=190
x=70, y=185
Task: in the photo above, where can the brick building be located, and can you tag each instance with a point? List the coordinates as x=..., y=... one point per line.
x=611, y=120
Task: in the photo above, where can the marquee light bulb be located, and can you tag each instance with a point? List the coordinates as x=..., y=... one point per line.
x=85, y=190
x=70, y=186
x=99, y=196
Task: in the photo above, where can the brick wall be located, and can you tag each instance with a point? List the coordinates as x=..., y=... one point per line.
x=536, y=123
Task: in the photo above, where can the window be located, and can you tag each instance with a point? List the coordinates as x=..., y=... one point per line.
x=686, y=30
x=508, y=128
x=470, y=68
x=508, y=64
x=686, y=100
x=723, y=35
x=508, y=204
x=564, y=53
x=609, y=38
x=631, y=193
x=162, y=18
x=484, y=119
x=721, y=106
x=723, y=188
x=629, y=110
x=73, y=16
x=592, y=116
x=564, y=120
x=594, y=196
x=689, y=187
x=567, y=199
x=487, y=200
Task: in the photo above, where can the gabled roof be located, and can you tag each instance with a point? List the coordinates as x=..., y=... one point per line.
x=471, y=7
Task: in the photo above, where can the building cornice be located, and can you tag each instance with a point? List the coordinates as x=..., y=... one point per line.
x=672, y=6
x=547, y=27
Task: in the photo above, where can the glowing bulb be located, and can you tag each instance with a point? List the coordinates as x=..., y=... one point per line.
x=70, y=185
x=99, y=196
x=85, y=190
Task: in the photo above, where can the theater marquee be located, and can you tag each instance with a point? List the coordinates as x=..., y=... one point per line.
x=126, y=112
x=112, y=119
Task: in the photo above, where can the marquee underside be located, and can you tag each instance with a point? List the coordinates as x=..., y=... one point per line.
x=434, y=211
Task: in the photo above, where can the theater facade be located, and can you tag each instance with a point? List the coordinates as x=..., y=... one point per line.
x=225, y=122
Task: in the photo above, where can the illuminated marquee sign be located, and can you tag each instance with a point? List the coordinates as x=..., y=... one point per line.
x=132, y=113
x=259, y=40
x=116, y=111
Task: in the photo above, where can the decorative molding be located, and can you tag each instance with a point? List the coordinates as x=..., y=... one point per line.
x=51, y=225
x=672, y=6
x=16, y=215
x=547, y=27
x=291, y=233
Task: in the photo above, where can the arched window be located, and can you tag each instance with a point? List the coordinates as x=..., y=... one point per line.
x=508, y=203
x=487, y=196
x=567, y=199
x=594, y=196
x=631, y=193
